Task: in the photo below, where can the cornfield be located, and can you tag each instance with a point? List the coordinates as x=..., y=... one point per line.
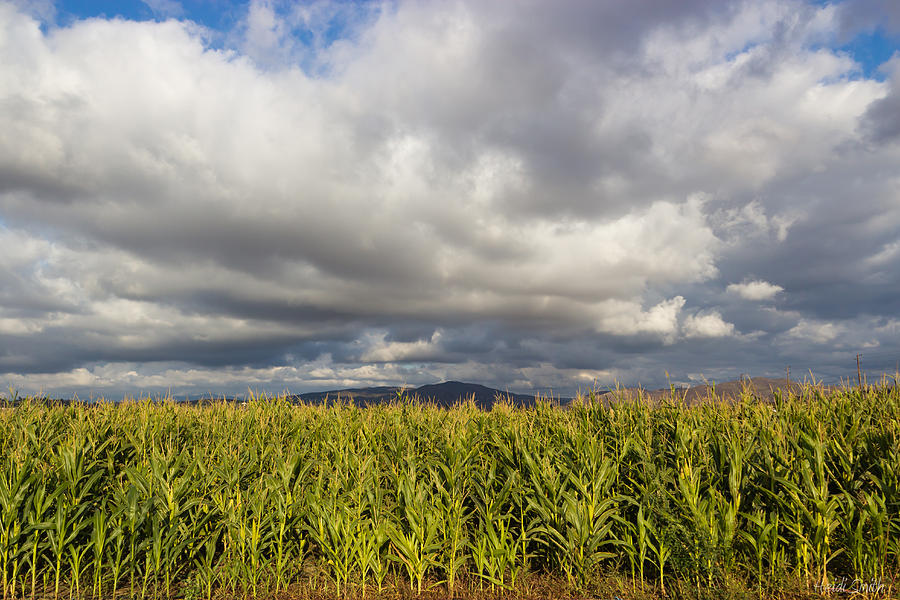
x=146, y=499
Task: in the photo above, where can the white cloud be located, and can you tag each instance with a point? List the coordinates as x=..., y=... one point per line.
x=709, y=325
x=580, y=176
x=45, y=10
x=628, y=318
x=757, y=290
x=9, y=326
x=383, y=351
x=266, y=32
x=819, y=332
x=751, y=221
x=888, y=254
x=165, y=8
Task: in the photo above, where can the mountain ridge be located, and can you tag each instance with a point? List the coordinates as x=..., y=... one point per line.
x=449, y=393
x=443, y=394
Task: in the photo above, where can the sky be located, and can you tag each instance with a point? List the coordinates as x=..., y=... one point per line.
x=209, y=197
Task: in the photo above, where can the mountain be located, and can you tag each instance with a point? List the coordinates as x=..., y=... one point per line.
x=443, y=394
x=358, y=396
x=448, y=393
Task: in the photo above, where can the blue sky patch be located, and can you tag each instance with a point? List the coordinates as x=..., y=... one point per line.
x=871, y=49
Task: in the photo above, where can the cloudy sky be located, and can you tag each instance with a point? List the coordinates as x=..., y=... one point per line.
x=211, y=196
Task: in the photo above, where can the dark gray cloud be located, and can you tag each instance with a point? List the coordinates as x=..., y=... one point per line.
x=881, y=123
x=555, y=196
x=861, y=15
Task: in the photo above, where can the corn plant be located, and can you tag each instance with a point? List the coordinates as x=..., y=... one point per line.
x=15, y=485
x=576, y=511
x=152, y=498
x=762, y=538
x=40, y=503
x=332, y=528
x=414, y=533
x=285, y=490
x=451, y=481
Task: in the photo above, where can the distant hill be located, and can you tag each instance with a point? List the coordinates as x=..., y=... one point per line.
x=763, y=388
x=443, y=394
x=448, y=393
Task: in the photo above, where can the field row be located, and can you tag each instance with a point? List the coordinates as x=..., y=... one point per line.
x=159, y=499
